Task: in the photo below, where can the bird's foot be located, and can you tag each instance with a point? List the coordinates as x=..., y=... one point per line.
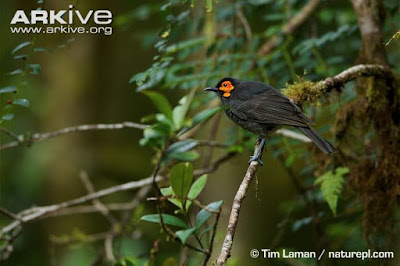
x=255, y=158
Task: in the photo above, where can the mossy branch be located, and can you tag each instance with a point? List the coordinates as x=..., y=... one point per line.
x=311, y=92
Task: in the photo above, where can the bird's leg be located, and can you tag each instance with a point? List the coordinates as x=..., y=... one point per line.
x=256, y=157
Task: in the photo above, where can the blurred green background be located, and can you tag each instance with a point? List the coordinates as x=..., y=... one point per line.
x=85, y=80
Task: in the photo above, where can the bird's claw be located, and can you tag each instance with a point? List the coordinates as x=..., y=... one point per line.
x=256, y=158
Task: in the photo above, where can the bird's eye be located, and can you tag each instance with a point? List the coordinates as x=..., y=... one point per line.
x=225, y=84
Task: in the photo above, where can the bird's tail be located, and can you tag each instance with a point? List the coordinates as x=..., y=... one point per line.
x=322, y=143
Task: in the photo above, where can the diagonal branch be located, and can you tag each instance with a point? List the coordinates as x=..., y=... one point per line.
x=42, y=136
x=35, y=213
x=96, y=202
x=236, y=206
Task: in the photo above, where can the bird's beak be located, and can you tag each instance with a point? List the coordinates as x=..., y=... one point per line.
x=211, y=89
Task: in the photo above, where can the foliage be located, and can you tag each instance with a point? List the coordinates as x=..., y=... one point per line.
x=182, y=193
x=331, y=185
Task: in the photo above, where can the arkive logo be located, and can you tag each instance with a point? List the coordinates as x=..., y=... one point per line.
x=71, y=21
x=63, y=17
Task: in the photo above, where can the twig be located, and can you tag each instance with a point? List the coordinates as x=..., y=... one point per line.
x=293, y=24
x=293, y=135
x=108, y=247
x=212, y=143
x=283, y=132
x=35, y=213
x=213, y=134
x=9, y=133
x=96, y=202
x=9, y=214
x=42, y=136
x=236, y=206
x=92, y=209
x=245, y=23
x=214, y=231
x=214, y=166
x=64, y=240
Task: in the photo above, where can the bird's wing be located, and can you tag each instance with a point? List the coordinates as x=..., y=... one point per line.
x=270, y=107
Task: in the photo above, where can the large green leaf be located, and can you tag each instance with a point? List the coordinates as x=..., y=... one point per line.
x=181, y=177
x=184, y=234
x=204, y=115
x=160, y=102
x=204, y=215
x=196, y=188
x=331, y=186
x=167, y=219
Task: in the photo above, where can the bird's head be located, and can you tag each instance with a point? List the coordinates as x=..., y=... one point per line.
x=225, y=87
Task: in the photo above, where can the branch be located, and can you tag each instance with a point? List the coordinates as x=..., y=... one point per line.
x=245, y=23
x=214, y=166
x=293, y=24
x=293, y=135
x=35, y=213
x=236, y=206
x=42, y=136
x=9, y=133
x=309, y=91
x=96, y=202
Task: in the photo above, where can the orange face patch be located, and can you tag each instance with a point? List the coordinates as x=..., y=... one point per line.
x=226, y=87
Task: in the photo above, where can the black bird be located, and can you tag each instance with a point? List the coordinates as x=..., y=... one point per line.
x=260, y=108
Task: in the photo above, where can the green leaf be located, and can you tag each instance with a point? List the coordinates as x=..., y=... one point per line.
x=8, y=117
x=16, y=72
x=300, y=223
x=209, y=5
x=167, y=191
x=21, y=102
x=184, y=234
x=289, y=160
x=181, y=177
x=188, y=156
x=160, y=102
x=182, y=146
x=35, y=69
x=8, y=89
x=21, y=56
x=41, y=49
x=20, y=46
x=331, y=186
x=196, y=189
x=167, y=219
x=204, y=215
x=178, y=115
x=204, y=115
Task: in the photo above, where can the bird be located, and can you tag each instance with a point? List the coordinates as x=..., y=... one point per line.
x=261, y=109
